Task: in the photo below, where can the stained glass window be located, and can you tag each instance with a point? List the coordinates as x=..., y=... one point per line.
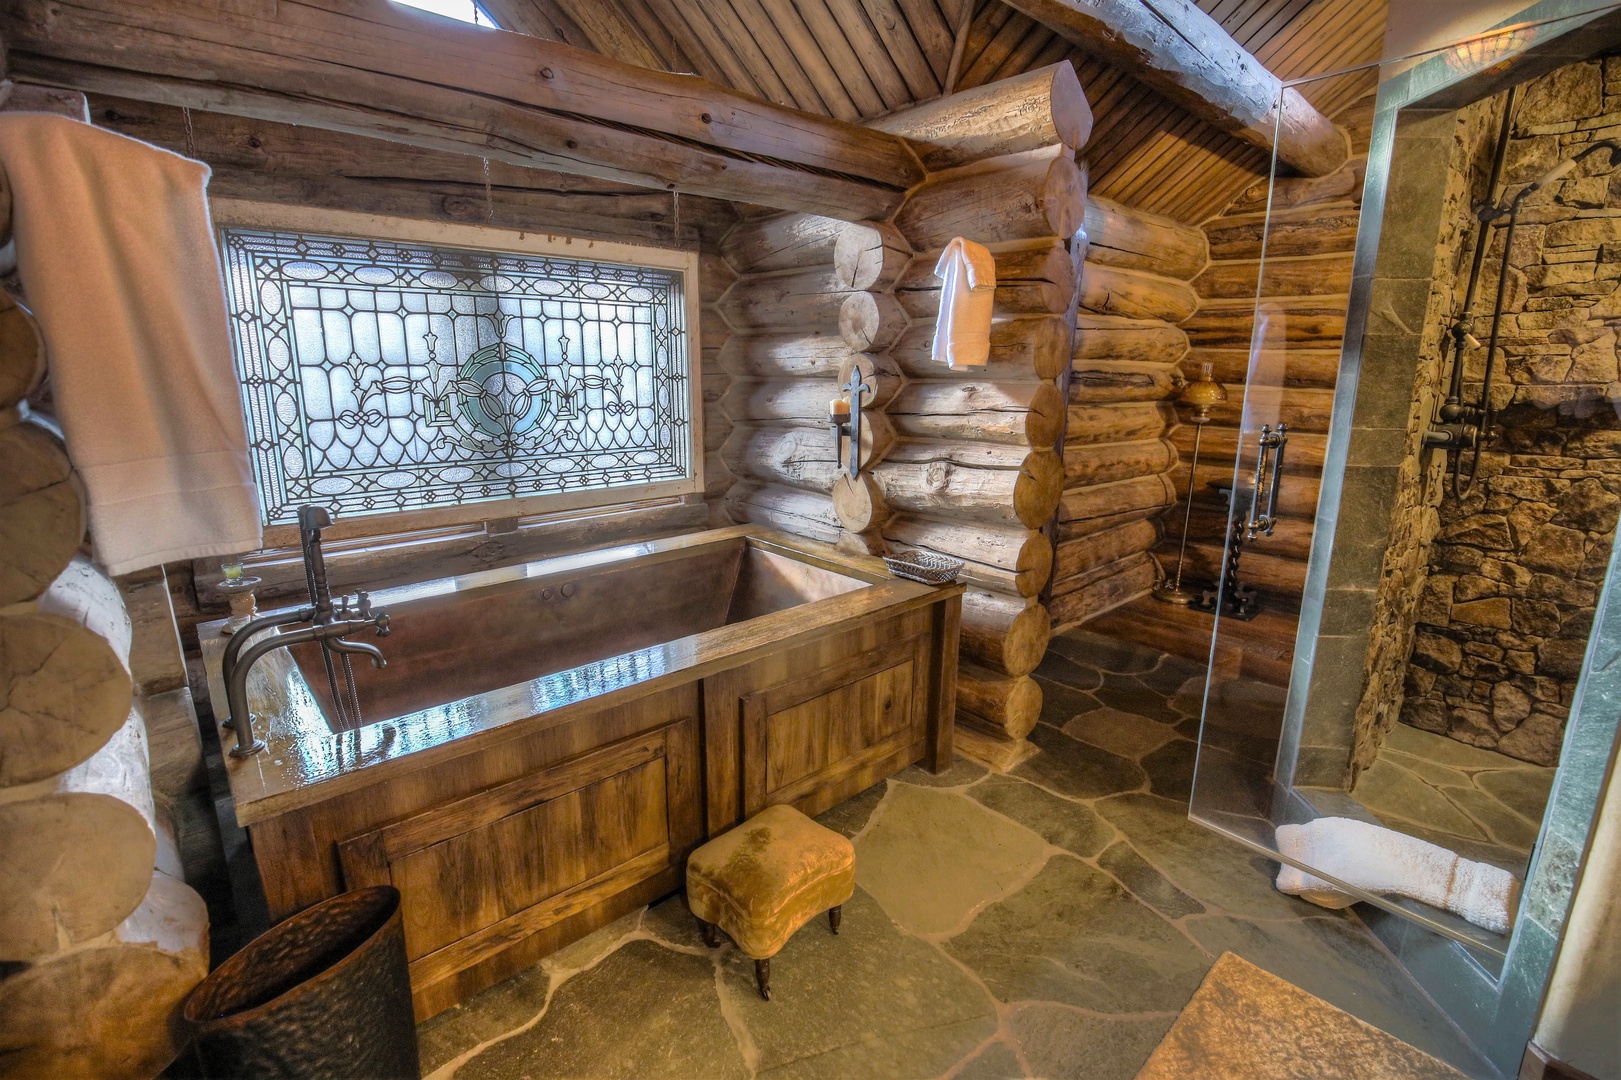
x=382, y=376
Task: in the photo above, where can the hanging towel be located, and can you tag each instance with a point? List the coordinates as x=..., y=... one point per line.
x=1388, y=862
x=962, y=335
x=117, y=256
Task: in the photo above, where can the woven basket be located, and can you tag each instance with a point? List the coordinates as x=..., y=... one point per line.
x=924, y=566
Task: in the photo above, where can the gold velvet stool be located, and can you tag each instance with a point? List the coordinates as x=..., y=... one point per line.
x=765, y=879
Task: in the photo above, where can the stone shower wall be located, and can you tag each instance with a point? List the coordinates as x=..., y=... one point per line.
x=1515, y=568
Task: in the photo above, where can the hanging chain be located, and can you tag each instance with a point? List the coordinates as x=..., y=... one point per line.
x=675, y=200
x=489, y=201
x=191, y=136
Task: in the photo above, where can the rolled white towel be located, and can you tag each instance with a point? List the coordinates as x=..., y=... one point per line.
x=1391, y=863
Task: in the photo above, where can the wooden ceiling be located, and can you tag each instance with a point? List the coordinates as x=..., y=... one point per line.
x=860, y=58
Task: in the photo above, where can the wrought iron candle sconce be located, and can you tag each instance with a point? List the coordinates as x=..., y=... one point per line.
x=1200, y=396
x=1236, y=599
x=844, y=416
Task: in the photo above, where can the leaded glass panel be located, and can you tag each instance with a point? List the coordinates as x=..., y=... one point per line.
x=381, y=376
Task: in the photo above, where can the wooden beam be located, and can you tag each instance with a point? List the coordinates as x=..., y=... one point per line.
x=1174, y=47
x=1028, y=112
x=374, y=68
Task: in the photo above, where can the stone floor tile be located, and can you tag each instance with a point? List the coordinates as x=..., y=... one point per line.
x=1074, y=936
x=1524, y=791
x=1170, y=769
x=1213, y=870
x=1147, y=884
x=1172, y=673
x=671, y=920
x=1389, y=790
x=1439, y=748
x=1059, y=703
x=1188, y=699
x=851, y=815
x=1061, y=822
x=1502, y=825
x=1335, y=958
x=961, y=773
x=1128, y=694
x=1061, y=669
x=643, y=1011
x=582, y=954
x=1431, y=772
x=930, y=887
x=1104, y=653
x=996, y=1062
x=487, y=1014
x=1123, y=733
x=1064, y=1044
x=1082, y=772
x=870, y=1002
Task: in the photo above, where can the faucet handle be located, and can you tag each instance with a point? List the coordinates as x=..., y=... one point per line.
x=381, y=619
x=364, y=599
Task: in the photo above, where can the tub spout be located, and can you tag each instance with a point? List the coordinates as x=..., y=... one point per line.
x=346, y=646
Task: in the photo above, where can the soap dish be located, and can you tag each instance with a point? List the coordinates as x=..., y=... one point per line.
x=924, y=566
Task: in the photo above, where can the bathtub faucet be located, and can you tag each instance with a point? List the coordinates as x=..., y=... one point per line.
x=329, y=623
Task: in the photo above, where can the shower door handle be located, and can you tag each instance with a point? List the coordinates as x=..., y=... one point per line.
x=1267, y=480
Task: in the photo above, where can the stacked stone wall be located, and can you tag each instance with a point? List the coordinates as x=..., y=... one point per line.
x=1514, y=572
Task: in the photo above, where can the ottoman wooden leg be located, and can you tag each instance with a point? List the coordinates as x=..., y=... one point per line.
x=835, y=916
x=762, y=977
x=708, y=932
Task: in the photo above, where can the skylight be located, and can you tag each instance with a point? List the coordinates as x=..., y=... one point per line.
x=466, y=11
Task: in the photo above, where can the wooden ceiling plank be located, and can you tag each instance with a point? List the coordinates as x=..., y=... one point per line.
x=836, y=48
x=988, y=22
x=934, y=33
x=893, y=30
x=995, y=51
x=873, y=58
x=381, y=70
x=697, y=54
x=1185, y=55
x=705, y=42
x=763, y=29
x=612, y=34
x=1023, y=56
x=672, y=57
x=537, y=18
x=808, y=52
x=735, y=33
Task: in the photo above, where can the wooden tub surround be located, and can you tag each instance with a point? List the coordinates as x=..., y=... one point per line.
x=549, y=741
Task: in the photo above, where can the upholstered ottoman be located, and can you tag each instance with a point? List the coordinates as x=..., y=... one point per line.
x=765, y=879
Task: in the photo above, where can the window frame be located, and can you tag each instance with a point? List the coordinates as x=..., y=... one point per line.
x=249, y=214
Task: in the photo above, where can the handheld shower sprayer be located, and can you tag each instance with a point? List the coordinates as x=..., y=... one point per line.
x=1464, y=428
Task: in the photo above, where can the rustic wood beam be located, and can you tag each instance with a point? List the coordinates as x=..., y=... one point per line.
x=1174, y=47
x=374, y=68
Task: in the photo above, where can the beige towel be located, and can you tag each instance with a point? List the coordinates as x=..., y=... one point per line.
x=962, y=336
x=117, y=256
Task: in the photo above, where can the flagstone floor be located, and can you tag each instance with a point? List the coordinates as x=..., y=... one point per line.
x=1050, y=923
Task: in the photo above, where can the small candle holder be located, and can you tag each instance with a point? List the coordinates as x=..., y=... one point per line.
x=244, y=606
x=844, y=416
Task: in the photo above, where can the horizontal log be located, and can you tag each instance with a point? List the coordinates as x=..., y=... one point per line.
x=1302, y=275
x=797, y=456
x=1303, y=322
x=107, y=1009
x=1186, y=55
x=1108, y=337
x=1082, y=527
x=802, y=404
x=1075, y=558
x=364, y=67
x=997, y=704
x=1007, y=634
x=1101, y=382
x=1297, y=495
x=1260, y=649
x=1311, y=368
x=1032, y=348
x=878, y=373
x=934, y=482
x=1016, y=561
x=1117, y=423
x=781, y=242
x=1134, y=577
x=79, y=848
x=788, y=300
x=1038, y=109
x=997, y=753
x=1281, y=581
x=64, y=674
x=860, y=506
x=1305, y=410
x=718, y=477
x=789, y=356
x=794, y=511
x=1290, y=539
x=1088, y=464
x=1133, y=294
x=22, y=351
x=1043, y=261
x=1121, y=497
x=1342, y=185
x=1018, y=413
x=43, y=509
x=1309, y=230
x=1118, y=235
x=1219, y=448
x=1018, y=197
x=714, y=278
x=871, y=322
x=870, y=255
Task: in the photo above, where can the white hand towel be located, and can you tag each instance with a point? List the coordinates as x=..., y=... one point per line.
x=962, y=334
x=1388, y=862
x=116, y=253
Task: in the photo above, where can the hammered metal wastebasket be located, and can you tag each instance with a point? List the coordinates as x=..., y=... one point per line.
x=324, y=994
